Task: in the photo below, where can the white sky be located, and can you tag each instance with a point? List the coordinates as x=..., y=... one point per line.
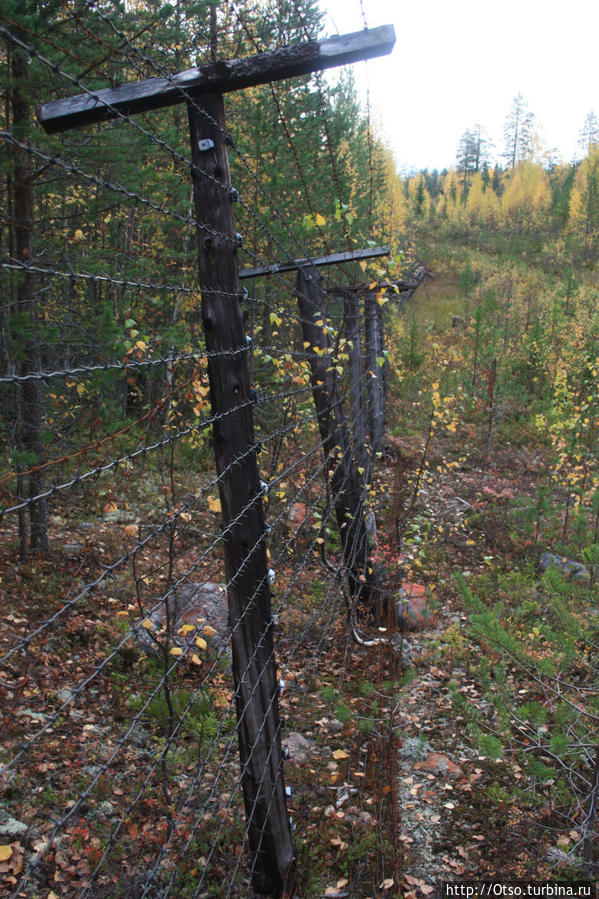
x=457, y=63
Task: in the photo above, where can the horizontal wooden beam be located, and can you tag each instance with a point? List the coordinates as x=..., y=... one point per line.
x=416, y=277
x=333, y=259
x=219, y=77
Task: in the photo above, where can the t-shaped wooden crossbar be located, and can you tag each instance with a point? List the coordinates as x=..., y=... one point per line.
x=220, y=77
x=235, y=446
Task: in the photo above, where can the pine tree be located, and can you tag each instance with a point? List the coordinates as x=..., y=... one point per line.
x=473, y=152
x=589, y=133
x=519, y=132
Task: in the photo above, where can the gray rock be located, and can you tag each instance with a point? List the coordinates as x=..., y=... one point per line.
x=335, y=726
x=298, y=747
x=72, y=549
x=139, y=736
x=199, y=604
x=414, y=748
x=31, y=713
x=370, y=524
x=402, y=651
x=572, y=571
x=11, y=828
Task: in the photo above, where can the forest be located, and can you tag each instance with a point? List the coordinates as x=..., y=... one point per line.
x=299, y=474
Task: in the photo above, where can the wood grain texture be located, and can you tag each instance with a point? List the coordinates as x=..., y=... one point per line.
x=346, y=487
x=254, y=667
x=220, y=77
x=332, y=259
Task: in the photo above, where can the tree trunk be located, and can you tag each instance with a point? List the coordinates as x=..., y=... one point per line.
x=31, y=391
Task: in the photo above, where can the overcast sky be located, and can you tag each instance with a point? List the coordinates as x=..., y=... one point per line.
x=457, y=63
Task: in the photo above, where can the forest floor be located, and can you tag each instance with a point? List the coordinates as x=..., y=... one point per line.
x=466, y=812
x=460, y=815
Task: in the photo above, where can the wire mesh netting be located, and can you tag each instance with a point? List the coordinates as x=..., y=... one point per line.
x=124, y=766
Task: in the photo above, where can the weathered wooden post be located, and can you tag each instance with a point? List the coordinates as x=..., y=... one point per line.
x=234, y=443
x=248, y=593
x=374, y=373
x=356, y=380
x=351, y=318
x=346, y=485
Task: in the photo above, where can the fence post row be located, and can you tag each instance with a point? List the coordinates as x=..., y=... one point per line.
x=234, y=442
x=356, y=381
x=348, y=495
x=374, y=371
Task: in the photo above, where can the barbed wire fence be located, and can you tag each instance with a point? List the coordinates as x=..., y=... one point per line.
x=126, y=766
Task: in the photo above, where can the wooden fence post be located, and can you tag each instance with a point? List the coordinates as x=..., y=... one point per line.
x=347, y=490
x=374, y=373
x=356, y=381
x=248, y=592
x=382, y=354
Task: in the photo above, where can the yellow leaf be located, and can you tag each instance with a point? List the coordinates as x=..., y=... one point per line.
x=148, y=624
x=176, y=651
x=201, y=643
x=186, y=629
x=122, y=614
x=319, y=219
x=340, y=754
x=209, y=631
x=214, y=504
x=78, y=235
x=140, y=344
x=196, y=659
x=5, y=853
